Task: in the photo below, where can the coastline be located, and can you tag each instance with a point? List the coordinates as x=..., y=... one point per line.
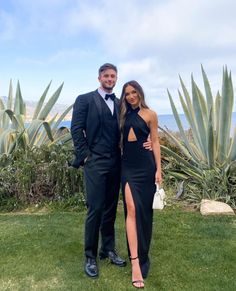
x=165, y=121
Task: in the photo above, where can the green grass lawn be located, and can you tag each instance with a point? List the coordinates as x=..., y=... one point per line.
x=44, y=251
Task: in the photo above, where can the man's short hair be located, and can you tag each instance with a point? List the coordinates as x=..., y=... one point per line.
x=106, y=66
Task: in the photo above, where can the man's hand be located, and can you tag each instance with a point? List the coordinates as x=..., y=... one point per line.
x=148, y=144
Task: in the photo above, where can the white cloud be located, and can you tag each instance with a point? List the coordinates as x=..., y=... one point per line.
x=69, y=55
x=148, y=73
x=150, y=41
x=131, y=27
x=135, y=68
x=57, y=58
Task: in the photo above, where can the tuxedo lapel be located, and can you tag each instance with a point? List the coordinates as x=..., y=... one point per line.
x=97, y=100
x=116, y=108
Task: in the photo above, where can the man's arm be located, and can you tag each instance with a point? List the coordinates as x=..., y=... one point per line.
x=78, y=129
x=148, y=144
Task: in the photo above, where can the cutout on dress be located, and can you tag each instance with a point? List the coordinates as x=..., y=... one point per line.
x=131, y=135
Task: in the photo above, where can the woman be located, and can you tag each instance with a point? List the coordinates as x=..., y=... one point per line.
x=141, y=169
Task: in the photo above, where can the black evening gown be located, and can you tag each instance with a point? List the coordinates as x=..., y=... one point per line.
x=138, y=170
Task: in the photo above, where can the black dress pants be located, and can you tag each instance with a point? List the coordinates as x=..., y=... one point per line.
x=102, y=183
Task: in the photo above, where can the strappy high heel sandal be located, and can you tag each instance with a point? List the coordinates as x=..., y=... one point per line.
x=137, y=281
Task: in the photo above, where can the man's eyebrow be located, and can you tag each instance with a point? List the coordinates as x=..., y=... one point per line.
x=107, y=74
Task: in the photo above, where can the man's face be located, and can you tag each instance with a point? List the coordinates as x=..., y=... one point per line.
x=108, y=79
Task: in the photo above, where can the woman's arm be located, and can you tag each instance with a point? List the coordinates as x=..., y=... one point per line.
x=153, y=124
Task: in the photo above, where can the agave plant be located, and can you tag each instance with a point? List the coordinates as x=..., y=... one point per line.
x=14, y=131
x=211, y=146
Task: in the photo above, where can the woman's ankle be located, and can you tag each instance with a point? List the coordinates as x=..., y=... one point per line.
x=136, y=269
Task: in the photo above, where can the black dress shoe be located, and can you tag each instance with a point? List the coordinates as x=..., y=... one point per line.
x=91, y=268
x=114, y=258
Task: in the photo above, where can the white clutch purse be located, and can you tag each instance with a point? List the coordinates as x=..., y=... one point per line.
x=159, y=198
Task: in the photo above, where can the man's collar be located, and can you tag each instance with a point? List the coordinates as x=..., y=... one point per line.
x=102, y=92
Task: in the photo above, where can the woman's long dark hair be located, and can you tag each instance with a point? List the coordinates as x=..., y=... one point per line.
x=125, y=106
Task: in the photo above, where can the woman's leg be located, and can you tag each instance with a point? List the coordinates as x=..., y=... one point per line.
x=131, y=230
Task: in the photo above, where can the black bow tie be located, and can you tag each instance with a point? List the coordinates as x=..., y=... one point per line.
x=111, y=96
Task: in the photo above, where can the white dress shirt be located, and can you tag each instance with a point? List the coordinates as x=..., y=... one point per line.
x=109, y=102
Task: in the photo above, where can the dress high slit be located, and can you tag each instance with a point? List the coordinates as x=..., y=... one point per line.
x=138, y=170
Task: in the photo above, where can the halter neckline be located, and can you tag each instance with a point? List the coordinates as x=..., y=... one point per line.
x=134, y=110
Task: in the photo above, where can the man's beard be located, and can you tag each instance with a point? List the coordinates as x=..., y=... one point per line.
x=108, y=87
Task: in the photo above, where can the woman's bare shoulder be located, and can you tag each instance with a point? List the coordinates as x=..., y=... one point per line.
x=151, y=113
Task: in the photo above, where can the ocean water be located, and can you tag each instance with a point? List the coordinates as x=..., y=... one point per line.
x=168, y=121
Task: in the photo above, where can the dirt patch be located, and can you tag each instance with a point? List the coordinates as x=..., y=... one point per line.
x=190, y=208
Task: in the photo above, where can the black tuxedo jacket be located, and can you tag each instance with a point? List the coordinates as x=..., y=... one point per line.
x=87, y=123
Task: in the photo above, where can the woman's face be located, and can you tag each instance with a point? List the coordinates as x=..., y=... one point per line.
x=132, y=96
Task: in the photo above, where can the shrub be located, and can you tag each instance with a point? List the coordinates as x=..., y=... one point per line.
x=38, y=175
x=208, y=155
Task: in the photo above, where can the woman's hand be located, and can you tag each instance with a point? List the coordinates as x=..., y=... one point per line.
x=158, y=177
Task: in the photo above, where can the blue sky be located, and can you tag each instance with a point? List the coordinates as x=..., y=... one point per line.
x=150, y=41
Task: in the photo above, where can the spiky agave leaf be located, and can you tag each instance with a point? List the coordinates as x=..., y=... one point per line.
x=180, y=126
x=61, y=118
x=226, y=108
x=209, y=120
x=7, y=137
x=41, y=101
x=12, y=122
x=209, y=96
x=10, y=96
x=63, y=139
x=34, y=128
x=49, y=105
x=200, y=120
x=192, y=123
x=6, y=119
x=2, y=106
x=43, y=136
x=19, y=106
x=58, y=132
x=213, y=146
x=211, y=158
x=232, y=150
x=181, y=160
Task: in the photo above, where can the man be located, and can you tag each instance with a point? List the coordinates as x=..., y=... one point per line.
x=96, y=135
